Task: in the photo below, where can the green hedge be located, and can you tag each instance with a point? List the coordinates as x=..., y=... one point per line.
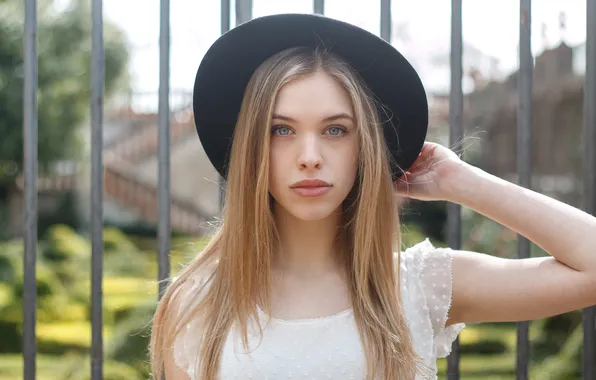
x=484, y=347
x=58, y=348
x=62, y=243
x=553, y=333
x=567, y=363
x=12, y=337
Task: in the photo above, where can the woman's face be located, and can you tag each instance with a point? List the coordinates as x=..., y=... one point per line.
x=314, y=147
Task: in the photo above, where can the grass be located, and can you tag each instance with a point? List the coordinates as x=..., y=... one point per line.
x=48, y=368
x=76, y=333
x=128, y=285
x=11, y=367
x=5, y=294
x=483, y=365
x=495, y=366
x=475, y=332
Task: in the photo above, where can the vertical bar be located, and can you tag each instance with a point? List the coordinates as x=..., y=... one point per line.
x=97, y=99
x=225, y=27
x=243, y=11
x=524, y=163
x=243, y=14
x=386, y=20
x=456, y=133
x=225, y=16
x=589, y=314
x=163, y=228
x=30, y=132
x=319, y=6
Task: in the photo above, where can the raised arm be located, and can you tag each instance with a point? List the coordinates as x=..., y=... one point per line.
x=486, y=288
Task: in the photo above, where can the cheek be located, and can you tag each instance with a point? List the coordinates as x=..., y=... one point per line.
x=345, y=167
x=350, y=160
x=351, y=170
x=276, y=165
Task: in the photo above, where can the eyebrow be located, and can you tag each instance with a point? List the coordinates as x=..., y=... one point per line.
x=334, y=117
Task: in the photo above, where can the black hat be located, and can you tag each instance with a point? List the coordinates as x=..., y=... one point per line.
x=231, y=61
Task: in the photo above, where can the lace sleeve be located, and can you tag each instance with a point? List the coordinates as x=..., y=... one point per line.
x=430, y=276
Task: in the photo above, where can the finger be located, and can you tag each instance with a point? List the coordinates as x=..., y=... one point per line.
x=422, y=163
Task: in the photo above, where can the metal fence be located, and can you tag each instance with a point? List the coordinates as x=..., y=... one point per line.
x=243, y=12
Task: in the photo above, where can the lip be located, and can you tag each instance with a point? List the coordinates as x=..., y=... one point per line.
x=311, y=188
x=309, y=183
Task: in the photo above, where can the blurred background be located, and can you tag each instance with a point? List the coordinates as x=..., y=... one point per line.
x=420, y=29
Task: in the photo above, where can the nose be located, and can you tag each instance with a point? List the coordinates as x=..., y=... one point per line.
x=310, y=154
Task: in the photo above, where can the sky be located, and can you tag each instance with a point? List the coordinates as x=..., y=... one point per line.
x=491, y=26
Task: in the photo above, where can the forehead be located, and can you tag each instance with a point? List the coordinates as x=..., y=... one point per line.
x=317, y=95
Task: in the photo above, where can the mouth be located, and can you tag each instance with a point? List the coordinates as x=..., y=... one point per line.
x=311, y=188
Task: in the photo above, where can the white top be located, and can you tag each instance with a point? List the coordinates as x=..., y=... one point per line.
x=330, y=347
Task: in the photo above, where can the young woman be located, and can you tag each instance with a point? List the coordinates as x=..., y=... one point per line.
x=317, y=126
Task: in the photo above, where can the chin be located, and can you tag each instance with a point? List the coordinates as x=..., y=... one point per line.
x=310, y=212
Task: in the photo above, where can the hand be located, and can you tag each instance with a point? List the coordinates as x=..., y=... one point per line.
x=428, y=178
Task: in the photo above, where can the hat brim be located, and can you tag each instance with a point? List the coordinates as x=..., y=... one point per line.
x=230, y=62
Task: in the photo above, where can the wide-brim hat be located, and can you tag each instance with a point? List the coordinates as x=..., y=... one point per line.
x=230, y=62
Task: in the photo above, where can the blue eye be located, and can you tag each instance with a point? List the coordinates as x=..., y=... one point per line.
x=282, y=131
x=336, y=131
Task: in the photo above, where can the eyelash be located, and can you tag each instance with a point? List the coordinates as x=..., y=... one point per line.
x=343, y=129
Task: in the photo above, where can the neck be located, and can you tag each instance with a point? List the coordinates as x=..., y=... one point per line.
x=306, y=247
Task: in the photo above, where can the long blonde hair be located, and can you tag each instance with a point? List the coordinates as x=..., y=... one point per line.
x=237, y=260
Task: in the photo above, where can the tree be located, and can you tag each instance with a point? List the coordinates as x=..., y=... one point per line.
x=64, y=81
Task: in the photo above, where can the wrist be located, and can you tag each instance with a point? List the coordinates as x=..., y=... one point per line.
x=463, y=181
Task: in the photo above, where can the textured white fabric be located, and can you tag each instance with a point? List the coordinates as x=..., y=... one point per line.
x=330, y=347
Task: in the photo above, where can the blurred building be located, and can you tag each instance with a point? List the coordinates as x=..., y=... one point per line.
x=131, y=168
x=130, y=171
x=479, y=69
x=557, y=121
